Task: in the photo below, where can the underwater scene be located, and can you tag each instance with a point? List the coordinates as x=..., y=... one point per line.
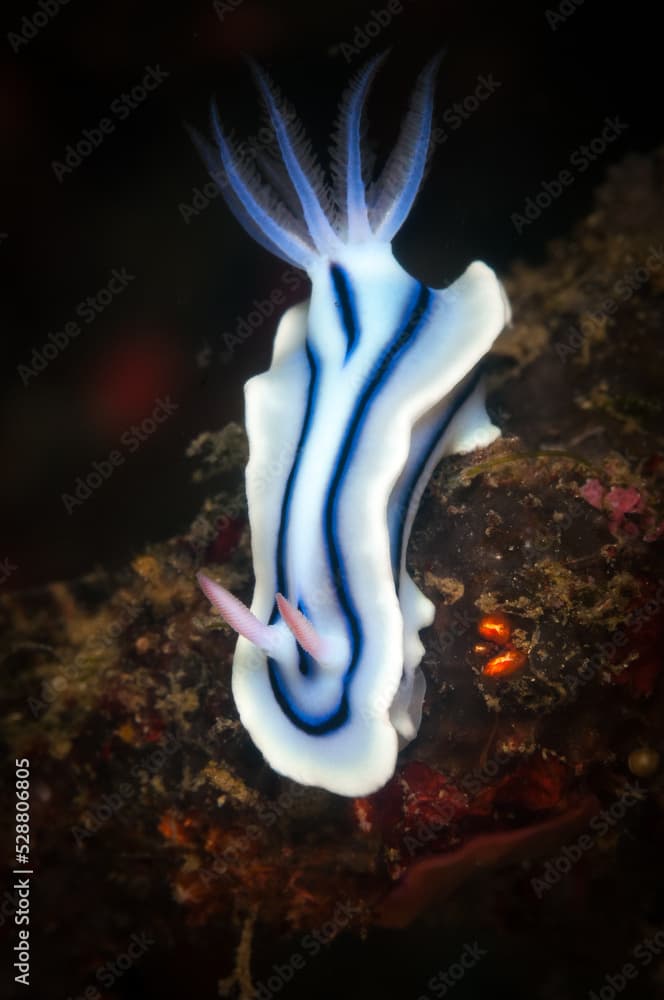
x=332, y=558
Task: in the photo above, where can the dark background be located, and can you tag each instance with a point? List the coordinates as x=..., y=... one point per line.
x=163, y=335
x=122, y=207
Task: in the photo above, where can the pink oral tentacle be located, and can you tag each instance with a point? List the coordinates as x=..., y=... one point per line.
x=304, y=632
x=238, y=616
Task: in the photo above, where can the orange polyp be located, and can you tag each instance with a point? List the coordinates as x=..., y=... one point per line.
x=172, y=828
x=506, y=663
x=496, y=627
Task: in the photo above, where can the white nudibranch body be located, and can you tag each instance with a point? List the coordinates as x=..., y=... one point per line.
x=372, y=382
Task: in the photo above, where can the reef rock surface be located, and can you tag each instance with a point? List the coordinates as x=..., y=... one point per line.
x=152, y=812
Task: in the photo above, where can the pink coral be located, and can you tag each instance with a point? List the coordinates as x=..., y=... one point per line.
x=592, y=492
x=620, y=501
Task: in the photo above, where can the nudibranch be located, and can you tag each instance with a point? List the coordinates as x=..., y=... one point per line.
x=372, y=381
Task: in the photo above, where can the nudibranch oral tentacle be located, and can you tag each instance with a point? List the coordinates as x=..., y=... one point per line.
x=372, y=382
